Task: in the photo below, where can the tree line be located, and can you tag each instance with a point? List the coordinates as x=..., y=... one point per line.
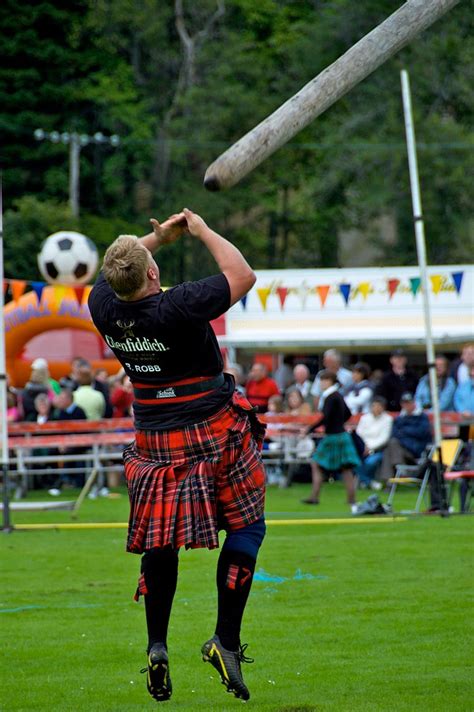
x=180, y=81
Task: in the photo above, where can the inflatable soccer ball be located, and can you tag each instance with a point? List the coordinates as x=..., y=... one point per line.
x=68, y=258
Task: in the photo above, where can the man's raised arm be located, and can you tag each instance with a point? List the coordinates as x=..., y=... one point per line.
x=229, y=259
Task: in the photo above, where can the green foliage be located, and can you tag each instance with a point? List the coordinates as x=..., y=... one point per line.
x=121, y=67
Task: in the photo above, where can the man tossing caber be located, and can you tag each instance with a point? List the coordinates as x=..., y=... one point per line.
x=195, y=465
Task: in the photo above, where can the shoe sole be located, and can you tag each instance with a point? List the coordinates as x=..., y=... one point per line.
x=212, y=655
x=158, y=680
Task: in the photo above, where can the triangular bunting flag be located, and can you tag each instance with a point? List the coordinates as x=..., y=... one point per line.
x=345, y=290
x=243, y=301
x=5, y=286
x=38, y=290
x=263, y=294
x=59, y=290
x=457, y=279
x=392, y=285
x=364, y=289
x=282, y=295
x=414, y=285
x=79, y=292
x=17, y=287
x=323, y=291
x=436, y=281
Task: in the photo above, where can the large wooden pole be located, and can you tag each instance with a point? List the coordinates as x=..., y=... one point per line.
x=324, y=90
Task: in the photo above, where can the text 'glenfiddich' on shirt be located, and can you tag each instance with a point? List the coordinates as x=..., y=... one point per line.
x=164, y=338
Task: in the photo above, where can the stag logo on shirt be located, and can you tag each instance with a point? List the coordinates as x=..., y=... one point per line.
x=126, y=327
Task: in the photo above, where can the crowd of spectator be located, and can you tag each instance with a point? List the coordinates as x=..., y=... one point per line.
x=383, y=441
x=394, y=427
x=82, y=394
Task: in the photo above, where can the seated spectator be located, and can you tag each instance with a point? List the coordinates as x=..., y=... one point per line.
x=260, y=387
x=121, y=397
x=461, y=367
x=359, y=398
x=296, y=404
x=275, y=404
x=332, y=361
x=398, y=380
x=88, y=398
x=13, y=411
x=375, y=429
x=411, y=433
x=302, y=382
x=65, y=408
x=43, y=410
x=236, y=370
x=446, y=387
x=464, y=395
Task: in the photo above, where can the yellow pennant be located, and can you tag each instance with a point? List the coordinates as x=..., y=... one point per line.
x=436, y=282
x=364, y=289
x=263, y=294
x=58, y=294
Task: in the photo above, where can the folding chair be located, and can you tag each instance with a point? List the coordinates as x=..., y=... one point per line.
x=419, y=474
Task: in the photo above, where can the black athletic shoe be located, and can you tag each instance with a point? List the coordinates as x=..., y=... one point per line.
x=227, y=664
x=158, y=680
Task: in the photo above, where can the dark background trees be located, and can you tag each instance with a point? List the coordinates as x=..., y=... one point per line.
x=179, y=81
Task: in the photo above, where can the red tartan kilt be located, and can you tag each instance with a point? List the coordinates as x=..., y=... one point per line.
x=184, y=485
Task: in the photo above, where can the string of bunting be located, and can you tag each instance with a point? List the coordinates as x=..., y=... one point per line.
x=17, y=287
x=349, y=291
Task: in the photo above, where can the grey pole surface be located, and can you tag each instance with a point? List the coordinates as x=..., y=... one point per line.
x=324, y=90
x=74, y=156
x=3, y=388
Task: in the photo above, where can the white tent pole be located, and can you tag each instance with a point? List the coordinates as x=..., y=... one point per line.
x=421, y=250
x=3, y=387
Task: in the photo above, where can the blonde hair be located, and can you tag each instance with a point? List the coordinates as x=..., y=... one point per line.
x=125, y=264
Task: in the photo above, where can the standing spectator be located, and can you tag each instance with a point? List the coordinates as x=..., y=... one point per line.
x=446, y=387
x=283, y=375
x=332, y=361
x=464, y=395
x=37, y=383
x=260, y=387
x=86, y=397
x=41, y=365
x=121, y=397
x=99, y=384
x=301, y=381
x=399, y=379
x=336, y=451
x=296, y=404
x=460, y=368
x=375, y=429
x=360, y=396
x=71, y=380
x=411, y=433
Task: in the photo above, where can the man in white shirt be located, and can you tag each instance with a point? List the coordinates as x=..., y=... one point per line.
x=332, y=362
x=86, y=397
x=375, y=429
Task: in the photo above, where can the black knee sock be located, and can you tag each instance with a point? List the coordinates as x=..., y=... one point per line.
x=234, y=580
x=160, y=571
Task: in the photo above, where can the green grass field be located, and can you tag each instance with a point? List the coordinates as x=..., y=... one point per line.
x=368, y=616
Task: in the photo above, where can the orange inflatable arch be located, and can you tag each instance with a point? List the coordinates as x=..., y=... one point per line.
x=25, y=318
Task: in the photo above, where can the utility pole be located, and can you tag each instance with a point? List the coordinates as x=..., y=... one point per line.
x=76, y=142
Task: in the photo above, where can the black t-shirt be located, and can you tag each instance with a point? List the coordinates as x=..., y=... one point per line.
x=164, y=338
